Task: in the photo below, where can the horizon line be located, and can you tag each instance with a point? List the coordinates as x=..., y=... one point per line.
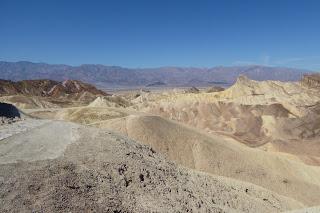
x=157, y=67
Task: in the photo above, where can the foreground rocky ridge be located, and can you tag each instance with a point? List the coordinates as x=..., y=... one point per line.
x=101, y=171
x=217, y=154
x=213, y=153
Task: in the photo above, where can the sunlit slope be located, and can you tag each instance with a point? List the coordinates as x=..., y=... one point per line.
x=222, y=155
x=275, y=116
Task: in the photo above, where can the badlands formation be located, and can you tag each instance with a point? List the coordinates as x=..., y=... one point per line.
x=253, y=147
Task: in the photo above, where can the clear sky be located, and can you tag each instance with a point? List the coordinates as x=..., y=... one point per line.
x=153, y=33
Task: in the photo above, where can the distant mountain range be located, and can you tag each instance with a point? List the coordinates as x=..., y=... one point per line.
x=114, y=76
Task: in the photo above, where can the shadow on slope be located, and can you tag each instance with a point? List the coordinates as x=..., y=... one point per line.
x=9, y=111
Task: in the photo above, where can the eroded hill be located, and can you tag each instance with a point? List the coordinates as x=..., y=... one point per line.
x=272, y=115
x=48, y=93
x=262, y=133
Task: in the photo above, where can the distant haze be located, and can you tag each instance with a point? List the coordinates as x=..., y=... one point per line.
x=114, y=76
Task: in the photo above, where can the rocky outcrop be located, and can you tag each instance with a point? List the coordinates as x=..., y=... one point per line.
x=73, y=87
x=8, y=111
x=110, y=101
x=8, y=114
x=311, y=81
x=214, y=89
x=192, y=90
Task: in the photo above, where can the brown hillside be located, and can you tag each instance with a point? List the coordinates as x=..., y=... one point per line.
x=47, y=88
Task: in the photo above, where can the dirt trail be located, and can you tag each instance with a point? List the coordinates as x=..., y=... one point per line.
x=38, y=140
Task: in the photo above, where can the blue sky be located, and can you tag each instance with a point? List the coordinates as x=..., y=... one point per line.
x=153, y=33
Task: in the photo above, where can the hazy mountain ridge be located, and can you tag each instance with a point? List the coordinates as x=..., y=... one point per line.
x=171, y=76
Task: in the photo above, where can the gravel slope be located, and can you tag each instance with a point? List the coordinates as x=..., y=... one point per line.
x=95, y=170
